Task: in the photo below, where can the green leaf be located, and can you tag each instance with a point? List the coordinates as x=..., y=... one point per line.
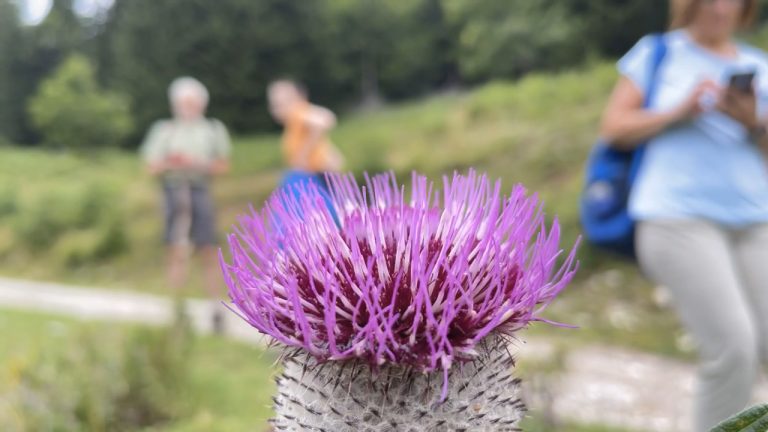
x=752, y=420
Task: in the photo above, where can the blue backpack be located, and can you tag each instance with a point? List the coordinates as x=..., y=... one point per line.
x=609, y=178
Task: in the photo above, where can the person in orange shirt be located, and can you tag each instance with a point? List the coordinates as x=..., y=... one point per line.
x=305, y=143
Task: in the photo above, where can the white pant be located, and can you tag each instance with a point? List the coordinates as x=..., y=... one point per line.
x=718, y=278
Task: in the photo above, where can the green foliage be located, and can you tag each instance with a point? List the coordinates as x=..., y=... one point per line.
x=31, y=54
x=79, y=225
x=112, y=241
x=8, y=201
x=399, y=49
x=503, y=128
x=612, y=26
x=752, y=420
x=41, y=222
x=94, y=204
x=10, y=36
x=347, y=51
x=496, y=40
x=71, y=111
x=150, y=43
x=343, y=50
x=155, y=368
x=104, y=381
x=204, y=383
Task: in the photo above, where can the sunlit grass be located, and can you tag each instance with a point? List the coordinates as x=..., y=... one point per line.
x=230, y=384
x=537, y=131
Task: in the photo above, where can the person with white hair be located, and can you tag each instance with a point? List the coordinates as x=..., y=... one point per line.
x=184, y=153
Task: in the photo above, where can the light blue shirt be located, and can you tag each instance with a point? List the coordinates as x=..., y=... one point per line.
x=707, y=168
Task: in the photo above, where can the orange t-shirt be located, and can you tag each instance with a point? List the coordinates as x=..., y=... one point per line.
x=295, y=135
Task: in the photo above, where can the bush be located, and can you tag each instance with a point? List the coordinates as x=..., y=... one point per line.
x=70, y=111
x=95, y=203
x=8, y=201
x=41, y=222
x=77, y=226
x=74, y=248
x=112, y=241
x=91, y=387
x=494, y=43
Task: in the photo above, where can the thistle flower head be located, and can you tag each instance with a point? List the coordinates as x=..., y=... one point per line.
x=390, y=278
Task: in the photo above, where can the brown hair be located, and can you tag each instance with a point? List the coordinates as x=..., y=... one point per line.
x=291, y=82
x=682, y=12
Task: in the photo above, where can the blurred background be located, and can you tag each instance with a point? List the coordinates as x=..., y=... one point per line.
x=511, y=87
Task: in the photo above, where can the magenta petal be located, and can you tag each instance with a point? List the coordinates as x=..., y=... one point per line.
x=416, y=281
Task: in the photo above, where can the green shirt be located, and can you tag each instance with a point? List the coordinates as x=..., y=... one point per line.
x=203, y=141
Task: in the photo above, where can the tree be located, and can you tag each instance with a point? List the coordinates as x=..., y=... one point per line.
x=343, y=50
x=233, y=46
x=508, y=39
x=419, y=59
x=71, y=111
x=389, y=49
x=10, y=38
x=39, y=50
x=613, y=26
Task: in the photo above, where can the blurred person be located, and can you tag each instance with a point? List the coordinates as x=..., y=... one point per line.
x=305, y=144
x=701, y=196
x=185, y=152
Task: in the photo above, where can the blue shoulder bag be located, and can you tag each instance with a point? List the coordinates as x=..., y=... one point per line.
x=610, y=175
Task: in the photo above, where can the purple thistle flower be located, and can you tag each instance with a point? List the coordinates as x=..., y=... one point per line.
x=416, y=282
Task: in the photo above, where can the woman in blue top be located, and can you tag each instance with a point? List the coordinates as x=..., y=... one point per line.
x=701, y=196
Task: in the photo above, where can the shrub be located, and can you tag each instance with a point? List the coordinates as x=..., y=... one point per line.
x=8, y=201
x=74, y=248
x=95, y=203
x=493, y=43
x=39, y=225
x=112, y=241
x=70, y=110
x=92, y=387
x=78, y=226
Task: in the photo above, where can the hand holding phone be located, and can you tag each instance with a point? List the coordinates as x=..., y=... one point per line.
x=739, y=100
x=742, y=82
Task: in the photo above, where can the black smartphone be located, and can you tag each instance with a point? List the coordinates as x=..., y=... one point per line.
x=742, y=81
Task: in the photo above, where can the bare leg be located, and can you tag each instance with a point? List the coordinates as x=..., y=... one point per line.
x=178, y=263
x=212, y=276
x=212, y=279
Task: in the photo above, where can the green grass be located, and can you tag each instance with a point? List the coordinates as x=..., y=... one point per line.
x=230, y=384
x=43, y=180
x=537, y=131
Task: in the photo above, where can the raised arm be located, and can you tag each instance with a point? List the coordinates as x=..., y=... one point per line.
x=319, y=121
x=626, y=124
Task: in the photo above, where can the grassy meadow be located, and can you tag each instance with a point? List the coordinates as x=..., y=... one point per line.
x=226, y=387
x=95, y=220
